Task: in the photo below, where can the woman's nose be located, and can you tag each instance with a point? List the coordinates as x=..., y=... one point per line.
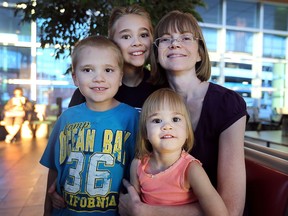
x=174, y=43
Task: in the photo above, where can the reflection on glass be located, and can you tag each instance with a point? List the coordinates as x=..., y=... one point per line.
x=275, y=17
x=10, y=28
x=210, y=36
x=242, y=14
x=50, y=68
x=15, y=62
x=212, y=13
x=274, y=46
x=239, y=41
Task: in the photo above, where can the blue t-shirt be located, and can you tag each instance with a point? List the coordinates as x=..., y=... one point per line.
x=91, y=152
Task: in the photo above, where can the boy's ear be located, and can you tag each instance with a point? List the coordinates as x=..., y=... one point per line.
x=74, y=79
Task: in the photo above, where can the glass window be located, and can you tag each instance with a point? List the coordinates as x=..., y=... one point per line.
x=274, y=46
x=50, y=68
x=275, y=17
x=242, y=14
x=212, y=12
x=48, y=94
x=15, y=62
x=239, y=41
x=10, y=28
x=210, y=36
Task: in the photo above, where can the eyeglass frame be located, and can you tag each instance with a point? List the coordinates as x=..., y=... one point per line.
x=171, y=39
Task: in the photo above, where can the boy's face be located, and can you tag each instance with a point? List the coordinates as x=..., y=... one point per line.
x=98, y=76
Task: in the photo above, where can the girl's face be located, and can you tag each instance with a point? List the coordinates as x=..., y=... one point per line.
x=98, y=76
x=178, y=52
x=166, y=130
x=134, y=38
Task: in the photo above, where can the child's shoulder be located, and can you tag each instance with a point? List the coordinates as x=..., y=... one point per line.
x=129, y=108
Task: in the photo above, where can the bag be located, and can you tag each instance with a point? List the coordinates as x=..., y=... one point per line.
x=14, y=113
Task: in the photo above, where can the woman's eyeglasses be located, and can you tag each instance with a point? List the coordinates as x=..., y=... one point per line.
x=166, y=41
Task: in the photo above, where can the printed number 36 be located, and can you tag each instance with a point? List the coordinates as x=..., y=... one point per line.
x=93, y=176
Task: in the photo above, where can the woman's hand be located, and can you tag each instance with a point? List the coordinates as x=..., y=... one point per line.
x=130, y=202
x=57, y=200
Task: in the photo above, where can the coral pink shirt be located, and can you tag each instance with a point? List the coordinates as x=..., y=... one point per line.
x=167, y=187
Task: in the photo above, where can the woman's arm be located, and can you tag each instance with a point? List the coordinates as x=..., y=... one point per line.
x=133, y=175
x=130, y=204
x=210, y=201
x=231, y=168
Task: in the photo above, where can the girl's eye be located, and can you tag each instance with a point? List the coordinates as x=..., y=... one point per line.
x=156, y=121
x=145, y=35
x=176, y=119
x=126, y=37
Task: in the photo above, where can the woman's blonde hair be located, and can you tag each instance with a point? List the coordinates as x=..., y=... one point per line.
x=183, y=22
x=159, y=99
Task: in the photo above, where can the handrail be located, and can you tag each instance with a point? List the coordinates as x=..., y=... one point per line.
x=267, y=150
x=267, y=160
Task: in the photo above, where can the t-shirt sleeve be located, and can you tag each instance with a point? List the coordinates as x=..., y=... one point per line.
x=233, y=107
x=48, y=158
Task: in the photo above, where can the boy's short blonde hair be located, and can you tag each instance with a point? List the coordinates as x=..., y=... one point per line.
x=100, y=42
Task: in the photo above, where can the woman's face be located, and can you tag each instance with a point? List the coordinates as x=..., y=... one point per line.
x=178, y=52
x=134, y=38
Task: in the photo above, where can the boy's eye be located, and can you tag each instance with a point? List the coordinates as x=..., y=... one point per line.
x=87, y=70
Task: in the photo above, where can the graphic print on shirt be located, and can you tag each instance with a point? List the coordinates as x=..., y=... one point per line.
x=93, y=178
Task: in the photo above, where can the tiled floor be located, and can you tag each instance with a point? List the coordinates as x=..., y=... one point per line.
x=22, y=178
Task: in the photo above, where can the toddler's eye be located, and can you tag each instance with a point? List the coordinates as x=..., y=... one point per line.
x=156, y=120
x=176, y=119
x=109, y=70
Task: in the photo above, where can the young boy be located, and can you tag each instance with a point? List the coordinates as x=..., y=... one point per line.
x=92, y=144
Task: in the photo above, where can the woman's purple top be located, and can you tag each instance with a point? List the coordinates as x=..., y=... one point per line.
x=221, y=108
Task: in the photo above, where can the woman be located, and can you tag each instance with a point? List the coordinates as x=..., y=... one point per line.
x=217, y=114
x=131, y=28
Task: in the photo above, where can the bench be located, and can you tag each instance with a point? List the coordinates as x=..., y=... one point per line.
x=34, y=125
x=267, y=184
